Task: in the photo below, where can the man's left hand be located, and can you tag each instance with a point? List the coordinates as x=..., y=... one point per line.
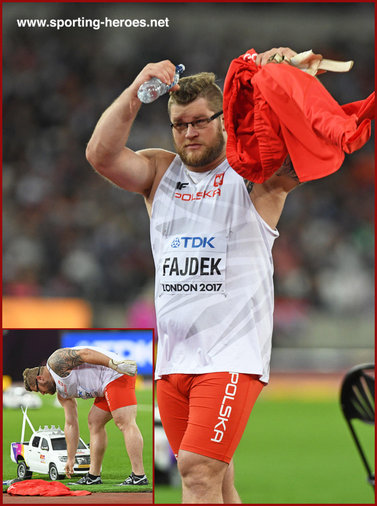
x=128, y=367
x=276, y=54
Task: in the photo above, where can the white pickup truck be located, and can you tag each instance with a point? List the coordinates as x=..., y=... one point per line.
x=46, y=453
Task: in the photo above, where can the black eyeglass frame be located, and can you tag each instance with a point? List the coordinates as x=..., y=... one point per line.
x=36, y=380
x=186, y=124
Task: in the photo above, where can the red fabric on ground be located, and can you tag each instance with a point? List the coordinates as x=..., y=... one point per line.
x=275, y=110
x=43, y=488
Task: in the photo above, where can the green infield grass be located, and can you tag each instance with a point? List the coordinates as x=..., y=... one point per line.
x=297, y=451
x=116, y=465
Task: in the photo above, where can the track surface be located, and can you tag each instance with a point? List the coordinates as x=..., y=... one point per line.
x=97, y=498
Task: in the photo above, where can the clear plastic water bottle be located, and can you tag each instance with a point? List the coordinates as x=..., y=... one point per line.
x=154, y=88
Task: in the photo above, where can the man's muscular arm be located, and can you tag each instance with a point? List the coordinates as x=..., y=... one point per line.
x=106, y=150
x=71, y=431
x=269, y=197
x=62, y=361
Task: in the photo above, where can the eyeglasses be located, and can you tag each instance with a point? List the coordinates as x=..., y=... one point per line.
x=36, y=381
x=198, y=124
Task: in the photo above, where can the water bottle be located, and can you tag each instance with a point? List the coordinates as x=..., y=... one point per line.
x=154, y=88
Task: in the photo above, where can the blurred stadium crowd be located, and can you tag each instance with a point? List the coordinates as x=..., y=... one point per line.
x=69, y=233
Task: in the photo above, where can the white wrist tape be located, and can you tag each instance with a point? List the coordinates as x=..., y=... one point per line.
x=310, y=63
x=128, y=367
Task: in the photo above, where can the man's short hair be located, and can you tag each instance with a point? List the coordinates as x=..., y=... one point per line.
x=197, y=86
x=30, y=376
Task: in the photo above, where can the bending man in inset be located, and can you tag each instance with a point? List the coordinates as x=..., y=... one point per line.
x=86, y=372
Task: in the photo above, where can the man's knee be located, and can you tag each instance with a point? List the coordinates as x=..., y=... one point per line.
x=97, y=419
x=125, y=418
x=199, y=472
x=124, y=425
x=95, y=425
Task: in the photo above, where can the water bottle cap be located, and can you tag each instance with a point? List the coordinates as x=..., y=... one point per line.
x=180, y=68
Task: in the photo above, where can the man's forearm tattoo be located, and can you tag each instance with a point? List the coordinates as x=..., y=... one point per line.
x=64, y=360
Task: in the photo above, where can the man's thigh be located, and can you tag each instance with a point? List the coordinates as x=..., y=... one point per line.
x=207, y=413
x=118, y=394
x=173, y=406
x=98, y=417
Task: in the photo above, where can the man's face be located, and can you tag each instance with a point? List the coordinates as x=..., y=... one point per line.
x=198, y=147
x=45, y=385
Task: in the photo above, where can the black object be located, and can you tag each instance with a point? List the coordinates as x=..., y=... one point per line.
x=357, y=401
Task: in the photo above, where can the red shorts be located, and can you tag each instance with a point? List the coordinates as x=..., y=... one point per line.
x=206, y=413
x=118, y=394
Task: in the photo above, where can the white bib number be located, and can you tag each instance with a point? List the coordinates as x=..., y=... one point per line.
x=193, y=264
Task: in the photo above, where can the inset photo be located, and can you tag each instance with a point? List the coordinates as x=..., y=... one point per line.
x=77, y=413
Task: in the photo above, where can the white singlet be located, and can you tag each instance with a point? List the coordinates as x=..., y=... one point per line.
x=86, y=380
x=214, y=290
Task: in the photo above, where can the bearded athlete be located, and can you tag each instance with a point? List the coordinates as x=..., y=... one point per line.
x=91, y=372
x=211, y=237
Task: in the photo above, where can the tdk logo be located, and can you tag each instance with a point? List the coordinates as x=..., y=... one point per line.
x=193, y=242
x=176, y=243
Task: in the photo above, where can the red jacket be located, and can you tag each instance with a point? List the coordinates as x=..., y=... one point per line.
x=275, y=110
x=43, y=488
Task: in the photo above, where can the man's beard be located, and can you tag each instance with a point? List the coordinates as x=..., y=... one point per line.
x=205, y=157
x=51, y=388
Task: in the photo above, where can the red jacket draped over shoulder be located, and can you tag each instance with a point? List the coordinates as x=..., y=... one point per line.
x=276, y=110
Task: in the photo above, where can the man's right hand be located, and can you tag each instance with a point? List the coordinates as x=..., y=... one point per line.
x=163, y=70
x=128, y=367
x=69, y=467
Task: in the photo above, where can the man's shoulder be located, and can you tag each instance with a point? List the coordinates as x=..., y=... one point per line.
x=63, y=360
x=161, y=157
